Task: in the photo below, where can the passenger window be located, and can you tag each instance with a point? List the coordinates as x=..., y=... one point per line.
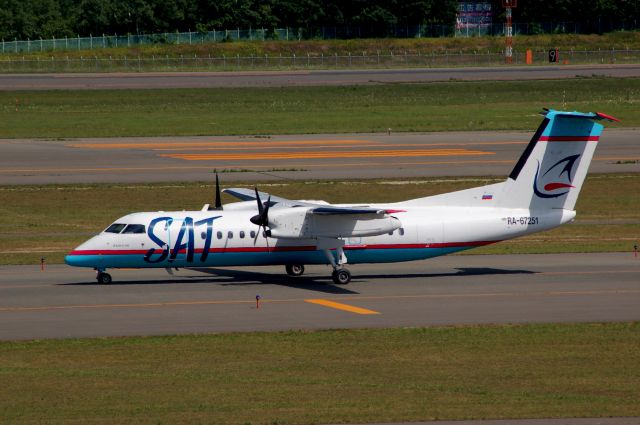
x=241, y=234
x=219, y=235
x=115, y=228
x=230, y=235
x=252, y=234
x=401, y=231
x=203, y=235
x=134, y=228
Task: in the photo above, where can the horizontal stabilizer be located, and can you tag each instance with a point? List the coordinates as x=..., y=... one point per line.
x=588, y=115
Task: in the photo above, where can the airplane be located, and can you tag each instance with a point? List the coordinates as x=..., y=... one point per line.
x=539, y=194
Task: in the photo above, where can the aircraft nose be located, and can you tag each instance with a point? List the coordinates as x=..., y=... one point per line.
x=81, y=259
x=72, y=259
x=82, y=255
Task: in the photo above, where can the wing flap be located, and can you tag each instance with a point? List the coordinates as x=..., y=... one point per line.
x=346, y=211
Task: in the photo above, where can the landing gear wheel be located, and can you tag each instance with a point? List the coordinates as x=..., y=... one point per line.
x=294, y=269
x=104, y=278
x=341, y=276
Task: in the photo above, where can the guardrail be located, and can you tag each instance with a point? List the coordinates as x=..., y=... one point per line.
x=309, y=61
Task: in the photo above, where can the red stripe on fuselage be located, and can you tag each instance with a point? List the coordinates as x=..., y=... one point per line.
x=569, y=138
x=290, y=248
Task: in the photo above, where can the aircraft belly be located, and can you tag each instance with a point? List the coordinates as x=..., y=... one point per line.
x=224, y=259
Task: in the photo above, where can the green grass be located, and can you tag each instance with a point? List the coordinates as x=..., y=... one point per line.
x=49, y=221
x=357, y=376
x=296, y=110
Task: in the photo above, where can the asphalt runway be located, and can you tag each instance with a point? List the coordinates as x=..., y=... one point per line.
x=64, y=302
x=162, y=80
x=341, y=156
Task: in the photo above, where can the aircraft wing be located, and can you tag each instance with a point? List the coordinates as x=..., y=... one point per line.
x=313, y=208
x=250, y=195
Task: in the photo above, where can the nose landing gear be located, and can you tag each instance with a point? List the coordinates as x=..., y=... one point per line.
x=103, y=278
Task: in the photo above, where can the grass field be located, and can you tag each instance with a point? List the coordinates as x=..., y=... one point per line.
x=357, y=376
x=48, y=221
x=297, y=110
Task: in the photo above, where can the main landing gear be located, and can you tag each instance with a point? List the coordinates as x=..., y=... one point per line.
x=294, y=269
x=341, y=276
x=103, y=278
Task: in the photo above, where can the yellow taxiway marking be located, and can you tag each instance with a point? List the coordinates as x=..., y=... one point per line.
x=340, y=306
x=326, y=302
x=328, y=154
x=359, y=145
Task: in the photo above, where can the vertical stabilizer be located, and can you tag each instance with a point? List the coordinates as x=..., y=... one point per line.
x=553, y=167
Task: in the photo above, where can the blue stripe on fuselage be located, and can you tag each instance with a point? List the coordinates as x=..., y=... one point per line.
x=262, y=258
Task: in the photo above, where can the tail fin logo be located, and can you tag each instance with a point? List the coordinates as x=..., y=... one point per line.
x=553, y=184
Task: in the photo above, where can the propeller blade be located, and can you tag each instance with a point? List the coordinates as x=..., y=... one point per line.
x=259, y=201
x=265, y=213
x=218, y=200
x=262, y=219
x=218, y=197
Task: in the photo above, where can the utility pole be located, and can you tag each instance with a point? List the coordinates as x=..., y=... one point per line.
x=508, y=30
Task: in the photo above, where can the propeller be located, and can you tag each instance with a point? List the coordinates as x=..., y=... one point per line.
x=262, y=218
x=218, y=204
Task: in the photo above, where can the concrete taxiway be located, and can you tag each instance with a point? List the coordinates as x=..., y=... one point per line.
x=62, y=302
x=163, y=80
x=336, y=156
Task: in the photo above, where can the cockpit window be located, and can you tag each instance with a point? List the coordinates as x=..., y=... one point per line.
x=115, y=228
x=134, y=228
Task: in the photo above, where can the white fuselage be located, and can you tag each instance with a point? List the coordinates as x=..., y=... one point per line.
x=228, y=238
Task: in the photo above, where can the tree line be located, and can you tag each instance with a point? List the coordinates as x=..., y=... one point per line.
x=33, y=19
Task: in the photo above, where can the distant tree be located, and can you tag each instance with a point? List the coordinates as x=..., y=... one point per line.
x=374, y=15
x=414, y=12
x=443, y=12
x=95, y=17
x=32, y=19
x=298, y=13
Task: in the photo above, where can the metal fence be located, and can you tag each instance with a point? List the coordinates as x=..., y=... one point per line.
x=323, y=33
x=309, y=61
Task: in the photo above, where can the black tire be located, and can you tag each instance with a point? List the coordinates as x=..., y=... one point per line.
x=294, y=269
x=104, y=278
x=341, y=277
